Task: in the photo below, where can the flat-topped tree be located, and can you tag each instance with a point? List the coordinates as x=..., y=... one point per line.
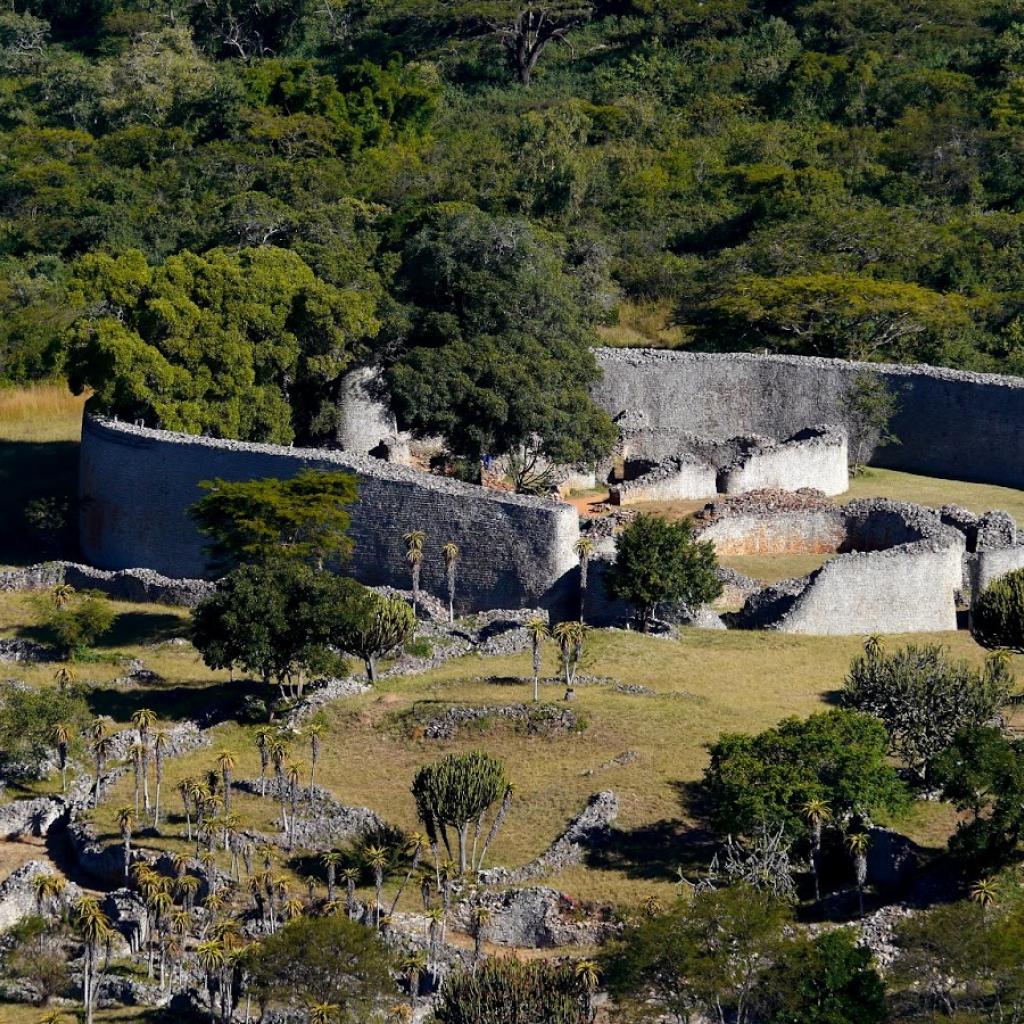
x=304, y=518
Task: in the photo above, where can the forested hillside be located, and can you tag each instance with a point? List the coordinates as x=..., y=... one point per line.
x=209, y=209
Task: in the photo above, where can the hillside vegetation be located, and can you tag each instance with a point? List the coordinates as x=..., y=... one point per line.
x=210, y=210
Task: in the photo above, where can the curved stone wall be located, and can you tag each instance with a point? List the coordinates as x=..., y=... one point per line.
x=135, y=485
x=967, y=426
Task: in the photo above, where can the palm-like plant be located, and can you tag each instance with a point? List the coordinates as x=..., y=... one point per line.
x=278, y=752
x=62, y=734
x=226, y=763
x=414, y=541
x=587, y=974
x=412, y=965
x=316, y=732
x=858, y=843
x=450, y=554
x=264, y=737
x=101, y=745
x=136, y=754
x=376, y=858
x=324, y=1013
x=126, y=825
x=330, y=860
x=144, y=719
x=212, y=957
x=184, y=788
x=985, y=893
x=350, y=876
x=481, y=916
x=817, y=814
x=294, y=775
x=160, y=741
x=539, y=632
x=570, y=637
x=64, y=677
x=61, y=594
x=584, y=549
x=93, y=928
x=47, y=888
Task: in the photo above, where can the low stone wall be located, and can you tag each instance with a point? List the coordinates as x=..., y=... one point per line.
x=680, y=478
x=816, y=457
x=136, y=485
x=141, y=585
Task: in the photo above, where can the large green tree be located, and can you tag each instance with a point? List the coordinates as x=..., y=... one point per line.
x=214, y=343
x=498, y=360
x=838, y=757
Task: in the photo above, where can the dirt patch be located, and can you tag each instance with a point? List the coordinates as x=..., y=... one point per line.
x=15, y=852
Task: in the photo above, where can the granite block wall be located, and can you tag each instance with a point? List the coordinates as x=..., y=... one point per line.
x=136, y=484
x=967, y=426
x=815, y=458
x=676, y=479
x=783, y=533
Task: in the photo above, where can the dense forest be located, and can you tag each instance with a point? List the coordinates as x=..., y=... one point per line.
x=210, y=209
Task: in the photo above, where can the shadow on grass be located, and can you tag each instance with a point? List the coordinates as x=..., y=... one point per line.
x=130, y=629
x=29, y=470
x=656, y=852
x=211, y=703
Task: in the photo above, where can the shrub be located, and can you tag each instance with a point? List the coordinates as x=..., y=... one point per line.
x=77, y=624
x=997, y=618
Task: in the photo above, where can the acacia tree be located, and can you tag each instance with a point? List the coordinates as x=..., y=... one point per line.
x=660, y=562
x=304, y=518
x=457, y=792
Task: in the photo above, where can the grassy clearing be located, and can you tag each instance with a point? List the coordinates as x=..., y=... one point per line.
x=704, y=683
x=40, y=427
x=772, y=568
x=644, y=325
x=21, y=1013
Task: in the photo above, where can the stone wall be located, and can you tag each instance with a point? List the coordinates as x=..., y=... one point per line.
x=966, y=426
x=784, y=533
x=364, y=421
x=136, y=484
x=124, y=585
x=679, y=478
x=816, y=457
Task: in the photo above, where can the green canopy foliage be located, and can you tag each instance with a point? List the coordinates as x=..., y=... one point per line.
x=660, y=562
x=838, y=757
x=304, y=518
x=27, y=719
x=997, y=616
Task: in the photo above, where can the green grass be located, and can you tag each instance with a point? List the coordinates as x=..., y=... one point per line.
x=772, y=568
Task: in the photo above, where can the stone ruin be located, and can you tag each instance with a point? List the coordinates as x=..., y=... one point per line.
x=703, y=467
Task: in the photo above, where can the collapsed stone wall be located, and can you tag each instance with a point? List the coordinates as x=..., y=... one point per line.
x=136, y=484
x=679, y=478
x=898, y=569
x=951, y=423
x=124, y=585
x=816, y=457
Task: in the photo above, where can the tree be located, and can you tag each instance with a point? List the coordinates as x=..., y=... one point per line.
x=538, y=630
x=215, y=342
x=274, y=619
x=126, y=824
x=869, y=405
x=584, y=549
x=997, y=615
x=658, y=562
x=303, y=518
x=838, y=757
x=450, y=554
x=457, y=792
x=821, y=981
x=524, y=30
x=316, y=730
x=29, y=721
x=144, y=719
x=923, y=698
x=370, y=626
x=704, y=955
x=498, y=378
x=62, y=733
x=502, y=989
x=226, y=763
x=323, y=960
x=159, y=746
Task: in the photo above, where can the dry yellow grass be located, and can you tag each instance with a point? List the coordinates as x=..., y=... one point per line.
x=40, y=412
x=642, y=324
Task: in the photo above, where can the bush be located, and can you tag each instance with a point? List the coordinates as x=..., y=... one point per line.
x=660, y=562
x=997, y=618
x=78, y=621
x=27, y=719
x=923, y=699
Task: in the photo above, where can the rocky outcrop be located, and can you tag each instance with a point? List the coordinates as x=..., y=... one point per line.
x=17, y=893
